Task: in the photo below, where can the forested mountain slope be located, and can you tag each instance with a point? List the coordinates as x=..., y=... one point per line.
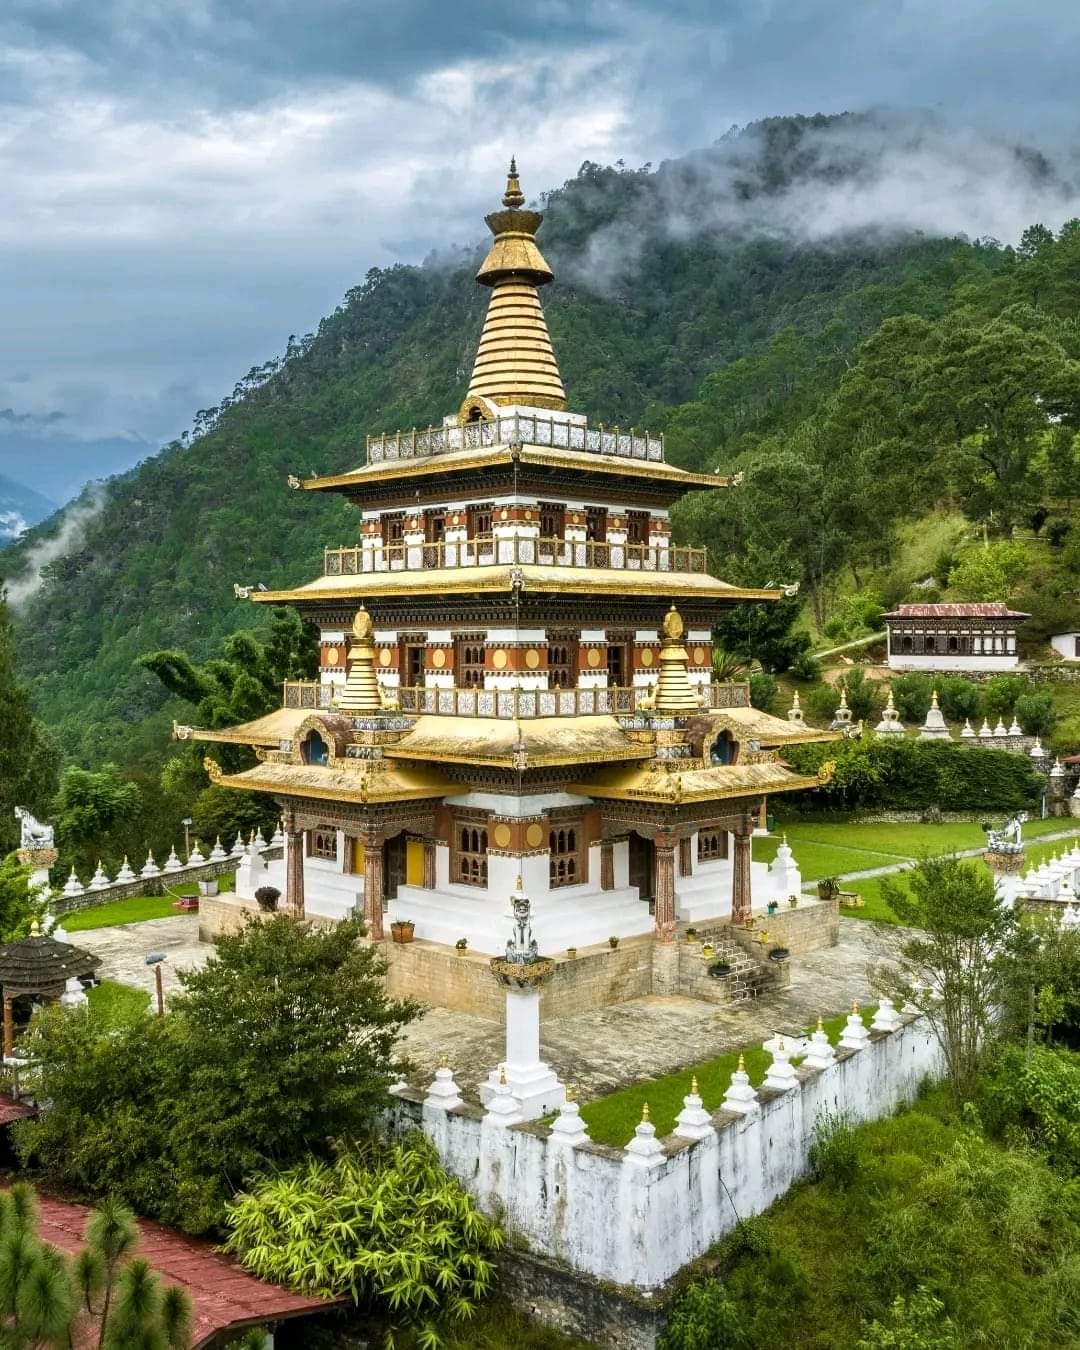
x=668, y=311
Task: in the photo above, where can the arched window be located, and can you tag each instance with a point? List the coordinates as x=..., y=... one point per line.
x=470, y=862
x=906, y=645
x=711, y=845
x=565, y=863
x=724, y=749
x=314, y=749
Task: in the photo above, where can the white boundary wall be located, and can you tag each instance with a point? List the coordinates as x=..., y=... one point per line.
x=603, y=1213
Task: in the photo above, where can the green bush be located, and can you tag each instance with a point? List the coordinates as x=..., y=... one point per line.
x=959, y=698
x=834, y=1154
x=704, y=1319
x=762, y=690
x=914, y=1323
x=382, y=1224
x=1000, y=693
x=917, y=775
x=806, y=667
x=1035, y=713
x=1037, y=1093
x=911, y=694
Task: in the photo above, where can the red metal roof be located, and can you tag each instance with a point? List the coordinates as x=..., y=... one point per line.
x=993, y=609
x=223, y=1296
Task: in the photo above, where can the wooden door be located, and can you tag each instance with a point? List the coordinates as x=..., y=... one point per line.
x=643, y=866
x=393, y=865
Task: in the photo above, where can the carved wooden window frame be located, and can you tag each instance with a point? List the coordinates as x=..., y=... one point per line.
x=567, y=852
x=322, y=842
x=712, y=846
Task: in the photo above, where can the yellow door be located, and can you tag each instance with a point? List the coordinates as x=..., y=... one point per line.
x=414, y=862
x=357, y=857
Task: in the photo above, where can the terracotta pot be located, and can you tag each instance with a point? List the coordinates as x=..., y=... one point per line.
x=402, y=930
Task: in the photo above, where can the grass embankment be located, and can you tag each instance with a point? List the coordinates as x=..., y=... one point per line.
x=611, y=1120
x=990, y=1231
x=136, y=909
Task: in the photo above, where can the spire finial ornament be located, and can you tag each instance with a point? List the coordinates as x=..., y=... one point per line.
x=693, y=1085
x=513, y=196
x=645, y=1113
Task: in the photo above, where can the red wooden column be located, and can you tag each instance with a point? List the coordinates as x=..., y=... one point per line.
x=294, y=864
x=664, y=929
x=686, y=860
x=373, y=884
x=9, y=1027
x=740, y=876
x=607, y=865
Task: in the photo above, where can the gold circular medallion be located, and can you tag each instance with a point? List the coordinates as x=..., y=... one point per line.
x=502, y=836
x=699, y=656
x=332, y=655
x=499, y=659
x=532, y=658
x=385, y=656
x=438, y=658
x=534, y=836
x=647, y=657
x=528, y=515
x=504, y=514
x=457, y=519
x=593, y=657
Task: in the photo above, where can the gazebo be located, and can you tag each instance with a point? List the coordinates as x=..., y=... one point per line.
x=38, y=966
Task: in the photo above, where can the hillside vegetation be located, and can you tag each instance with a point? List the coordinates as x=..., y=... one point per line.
x=844, y=379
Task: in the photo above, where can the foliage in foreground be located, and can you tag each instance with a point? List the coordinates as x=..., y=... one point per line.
x=103, y=1296
x=281, y=1043
x=379, y=1225
x=937, y=1212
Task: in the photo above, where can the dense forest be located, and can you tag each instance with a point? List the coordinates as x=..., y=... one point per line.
x=858, y=383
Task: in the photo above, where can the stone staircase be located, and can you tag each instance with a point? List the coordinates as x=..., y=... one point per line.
x=750, y=976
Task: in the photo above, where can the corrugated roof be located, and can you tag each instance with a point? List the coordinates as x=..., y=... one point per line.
x=989, y=609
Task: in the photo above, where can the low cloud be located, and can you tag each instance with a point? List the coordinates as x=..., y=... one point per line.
x=73, y=523
x=11, y=526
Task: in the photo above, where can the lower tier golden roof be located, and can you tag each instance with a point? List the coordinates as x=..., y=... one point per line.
x=341, y=782
x=529, y=743
x=502, y=578
x=268, y=731
x=753, y=724
x=650, y=783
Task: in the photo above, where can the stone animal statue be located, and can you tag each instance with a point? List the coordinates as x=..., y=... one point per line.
x=34, y=834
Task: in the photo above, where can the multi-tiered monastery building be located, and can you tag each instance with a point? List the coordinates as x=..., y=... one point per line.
x=516, y=674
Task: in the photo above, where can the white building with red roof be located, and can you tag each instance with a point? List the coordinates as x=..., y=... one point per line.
x=955, y=638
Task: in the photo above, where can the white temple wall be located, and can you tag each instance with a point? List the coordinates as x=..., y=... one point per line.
x=604, y=1214
x=948, y=664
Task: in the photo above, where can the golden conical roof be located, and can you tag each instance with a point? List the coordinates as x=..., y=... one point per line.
x=515, y=362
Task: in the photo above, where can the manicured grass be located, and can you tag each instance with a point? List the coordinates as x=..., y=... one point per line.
x=875, y=909
x=136, y=909
x=115, y=1002
x=612, y=1119
x=820, y=859
x=902, y=840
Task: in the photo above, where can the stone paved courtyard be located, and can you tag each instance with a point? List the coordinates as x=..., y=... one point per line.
x=596, y=1051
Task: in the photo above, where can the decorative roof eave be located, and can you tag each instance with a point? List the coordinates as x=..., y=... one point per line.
x=335, y=784
x=505, y=578
x=268, y=731
x=534, y=743
x=456, y=462
x=698, y=785
x=769, y=730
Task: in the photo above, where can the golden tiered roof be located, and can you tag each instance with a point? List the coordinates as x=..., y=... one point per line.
x=515, y=363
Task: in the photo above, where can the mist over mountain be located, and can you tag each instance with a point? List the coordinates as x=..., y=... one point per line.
x=761, y=262
x=20, y=507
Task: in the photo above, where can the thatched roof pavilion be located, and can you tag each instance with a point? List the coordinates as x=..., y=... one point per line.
x=39, y=966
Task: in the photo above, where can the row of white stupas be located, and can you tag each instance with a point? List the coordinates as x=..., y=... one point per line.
x=172, y=866
x=1056, y=879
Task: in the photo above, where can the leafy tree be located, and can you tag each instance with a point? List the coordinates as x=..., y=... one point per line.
x=959, y=698
x=89, y=806
x=29, y=758
x=764, y=633
x=101, y=1297
x=704, y=1318
x=950, y=970
x=382, y=1223
x=173, y=1113
x=18, y=904
x=1040, y=996
x=1035, y=713
x=912, y=694
x=990, y=573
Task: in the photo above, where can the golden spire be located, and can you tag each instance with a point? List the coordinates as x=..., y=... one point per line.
x=360, y=693
x=515, y=362
x=674, y=692
x=645, y=1113
x=693, y=1085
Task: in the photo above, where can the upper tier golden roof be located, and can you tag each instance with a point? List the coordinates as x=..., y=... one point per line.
x=515, y=363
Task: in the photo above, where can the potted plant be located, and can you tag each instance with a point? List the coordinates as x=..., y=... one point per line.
x=719, y=969
x=402, y=930
x=691, y=935
x=772, y=907
x=779, y=954
x=267, y=898
x=461, y=946
x=793, y=901
x=571, y=952
x=827, y=887
x=613, y=942
x=707, y=950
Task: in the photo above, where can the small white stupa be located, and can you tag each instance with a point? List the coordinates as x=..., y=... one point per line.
x=217, y=853
x=172, y=863
x=150, y=869
x=968, y=732
x=277, y=839
x=1001, y=730
x=1015, y=729
x=238, y=849
x=890, y=724
x=125, y=875
x=795, y=713
x=986, y=732
x=1036, y=751
x=195, y=857
x=934, y=728
x=73, y=886
x=842, y=716
x=99, y=880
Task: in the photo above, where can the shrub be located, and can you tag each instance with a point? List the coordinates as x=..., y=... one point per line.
x=914, y=1323
x=959, y=698
x=379, y=1223
x=1000, y=693
x=762, y=690
x=1035, y=713
x=1038, y=1094
x=865, y=697
x=1057, y=531
x=704, y=1318
x=912, y=694
x=806, y=667
x=834, y=1154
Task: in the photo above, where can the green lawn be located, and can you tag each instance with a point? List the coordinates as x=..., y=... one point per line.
x=611, y=1120
x=136, y=909
x=820, y=859
x=903, y=840
x=115, y=1002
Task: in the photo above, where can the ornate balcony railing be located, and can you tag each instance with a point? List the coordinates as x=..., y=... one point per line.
x=516, y=429
x=486, y=552
x=517, y=702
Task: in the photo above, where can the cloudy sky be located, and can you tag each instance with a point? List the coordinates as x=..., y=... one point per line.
x=187, y=182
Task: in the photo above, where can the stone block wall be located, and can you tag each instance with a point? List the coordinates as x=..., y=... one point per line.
x=159, y=885
x=228, y=913
x=811, y=925
x=602, y=1212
